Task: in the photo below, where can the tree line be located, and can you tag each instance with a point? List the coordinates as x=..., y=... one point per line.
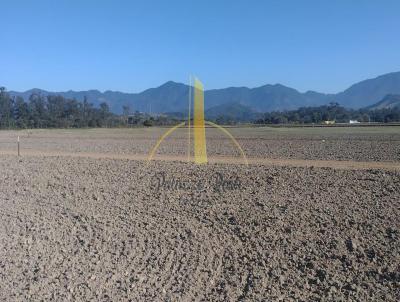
x=331, y=112
x=56, y=111
x=52, y=111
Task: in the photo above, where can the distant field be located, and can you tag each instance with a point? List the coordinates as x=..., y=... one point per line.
x=344, y=143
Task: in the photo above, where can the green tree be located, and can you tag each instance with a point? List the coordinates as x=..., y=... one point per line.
x=37, y=110
x=21, y=113
x=6, y=108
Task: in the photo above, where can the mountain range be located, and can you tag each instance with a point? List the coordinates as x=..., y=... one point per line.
x=173, y=97
x=390, y=101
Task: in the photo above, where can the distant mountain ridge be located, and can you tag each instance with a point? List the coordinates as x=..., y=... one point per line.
x=389, y=102
x=173, y=97
x=370, y=91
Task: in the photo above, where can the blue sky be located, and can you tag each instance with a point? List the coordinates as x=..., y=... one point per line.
x=131, y=45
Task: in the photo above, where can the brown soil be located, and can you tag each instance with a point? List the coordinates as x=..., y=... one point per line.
x=334, y=164
x=84, y=225
x=370, y=144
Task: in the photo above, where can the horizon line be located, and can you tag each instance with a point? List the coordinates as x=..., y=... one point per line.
x=120, y=91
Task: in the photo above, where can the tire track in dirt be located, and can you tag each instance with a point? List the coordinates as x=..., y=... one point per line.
x=334, y=164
